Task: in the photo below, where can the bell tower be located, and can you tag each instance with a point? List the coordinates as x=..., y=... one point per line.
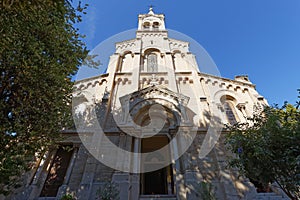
x=151, y=21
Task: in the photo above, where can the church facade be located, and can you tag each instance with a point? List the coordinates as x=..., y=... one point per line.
x=151, y=127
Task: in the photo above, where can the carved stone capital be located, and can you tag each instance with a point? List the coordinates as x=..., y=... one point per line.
x=241, y=106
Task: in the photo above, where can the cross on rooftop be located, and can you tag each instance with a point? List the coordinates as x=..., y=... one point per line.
x=151, y=9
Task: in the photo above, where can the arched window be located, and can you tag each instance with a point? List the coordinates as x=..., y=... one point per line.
x=146, y=25
x=229, y=111
x=152, y=63
x=155, y=25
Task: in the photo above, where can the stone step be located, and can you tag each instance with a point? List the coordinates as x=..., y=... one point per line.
x=270, y=196
x=157, y=197
x=46, y=198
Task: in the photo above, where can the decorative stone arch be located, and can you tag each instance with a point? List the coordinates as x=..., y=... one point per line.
x=139, y=112
x=221, y=94
x=127, y=52
x=103, y=81
x=151, y=50
x=228, y=97
x=81, y=87
x=174, y=51
x=132, y=103
x=237, y=88
x=125, y=61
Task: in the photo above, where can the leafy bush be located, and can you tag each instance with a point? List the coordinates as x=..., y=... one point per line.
x=267, y=148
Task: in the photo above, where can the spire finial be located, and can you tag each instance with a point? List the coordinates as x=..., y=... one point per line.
x=151, y=10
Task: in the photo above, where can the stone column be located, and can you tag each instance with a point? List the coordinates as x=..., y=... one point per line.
x=242, y=108
x=171, y=72
x=86, y=184
x=41, y=174
x=122, y=180
x=135, y=72
x=136, y=158
x=134, y=187
x=181, y=165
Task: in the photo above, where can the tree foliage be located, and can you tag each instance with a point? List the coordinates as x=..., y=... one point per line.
x=267, y=148
x=39, y=52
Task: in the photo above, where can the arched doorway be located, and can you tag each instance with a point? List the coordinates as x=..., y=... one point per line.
x=158, y=181
x=157, y=178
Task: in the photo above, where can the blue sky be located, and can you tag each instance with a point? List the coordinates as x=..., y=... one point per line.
x=260, y=38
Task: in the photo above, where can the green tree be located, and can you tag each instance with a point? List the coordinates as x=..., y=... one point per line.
x=267, y=148
x=40, y=50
